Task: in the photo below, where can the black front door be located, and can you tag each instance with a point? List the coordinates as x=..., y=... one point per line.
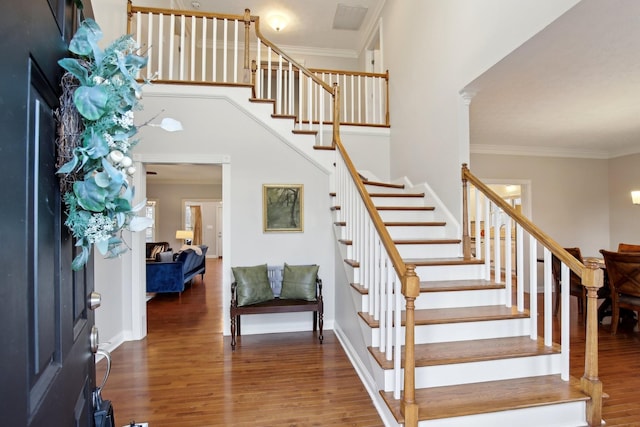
x=47, y=371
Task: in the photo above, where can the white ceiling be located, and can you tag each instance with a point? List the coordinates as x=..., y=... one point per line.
x=572, y=90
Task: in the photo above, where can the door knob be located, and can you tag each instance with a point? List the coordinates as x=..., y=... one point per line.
x=94, y=339
x=95, y=299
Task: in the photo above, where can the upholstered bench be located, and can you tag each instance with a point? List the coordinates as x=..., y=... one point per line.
x=265, y=289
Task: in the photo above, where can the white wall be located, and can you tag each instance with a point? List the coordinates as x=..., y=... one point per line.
x=569, y=197
x=432, y=49
x=624, y=220
x=169, y=212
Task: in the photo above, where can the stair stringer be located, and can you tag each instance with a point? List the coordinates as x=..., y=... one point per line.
x=260, y=112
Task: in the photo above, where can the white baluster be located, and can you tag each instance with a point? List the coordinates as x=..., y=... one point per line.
x=214, y=51
x=533, y=289
x=182, y=36
x=203, y=71
x=161, y=47
x=548, y=303
x=235, y=53
x=172, y=31
x=225, y=48
x=192, y=52
x=149, y=45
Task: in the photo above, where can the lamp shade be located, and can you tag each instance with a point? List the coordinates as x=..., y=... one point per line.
x=635, y=197
x=184, y=234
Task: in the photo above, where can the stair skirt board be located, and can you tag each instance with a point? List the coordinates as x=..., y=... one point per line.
x=570, y=414
x=450, y=332
x=473, y=372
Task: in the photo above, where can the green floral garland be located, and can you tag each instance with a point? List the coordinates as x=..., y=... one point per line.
x=99, y=204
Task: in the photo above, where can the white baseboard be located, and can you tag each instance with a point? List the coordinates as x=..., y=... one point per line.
x=366, y=378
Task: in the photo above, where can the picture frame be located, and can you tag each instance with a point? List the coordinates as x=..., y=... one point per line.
x=283, y=207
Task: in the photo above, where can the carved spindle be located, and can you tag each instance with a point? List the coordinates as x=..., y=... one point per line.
x=254, y=68
x=247, y=25
x=592, y=279
x=336, y=113
x=466, y=240
x=410, y=290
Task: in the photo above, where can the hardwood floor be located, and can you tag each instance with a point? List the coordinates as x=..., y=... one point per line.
x=184, y=373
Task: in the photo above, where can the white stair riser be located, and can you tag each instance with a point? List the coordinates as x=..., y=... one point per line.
x=416, y=232
x=450, y=272
x=472, y=298
x=475, y=372
x=406, y=216
x=471, y=330
x=378, y=189
x=571, y=414
x=439, y=250
x=398, y=201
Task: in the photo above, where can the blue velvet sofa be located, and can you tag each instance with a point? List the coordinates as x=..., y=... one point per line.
x=172, y=276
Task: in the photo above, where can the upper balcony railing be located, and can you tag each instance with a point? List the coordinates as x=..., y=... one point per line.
x=191, y=47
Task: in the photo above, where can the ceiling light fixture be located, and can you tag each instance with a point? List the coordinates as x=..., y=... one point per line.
x=277, y=22
x=635, y=197
x=195, y=4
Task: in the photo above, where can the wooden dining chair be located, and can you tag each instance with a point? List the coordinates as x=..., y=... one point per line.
x=575, y=283
x=623, y=269
x=628, y=247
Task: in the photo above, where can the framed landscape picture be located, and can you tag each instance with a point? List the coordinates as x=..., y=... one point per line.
x=283, y=207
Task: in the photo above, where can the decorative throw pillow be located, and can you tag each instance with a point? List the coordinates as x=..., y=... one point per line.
x=252, y=284
x=299, y=282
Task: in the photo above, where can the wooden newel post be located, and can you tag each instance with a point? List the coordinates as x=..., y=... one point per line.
x=466, y=239
x=247, y=25
x=592, y=278
x=410, y=290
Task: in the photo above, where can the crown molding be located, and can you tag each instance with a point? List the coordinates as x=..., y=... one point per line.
x=515, y=150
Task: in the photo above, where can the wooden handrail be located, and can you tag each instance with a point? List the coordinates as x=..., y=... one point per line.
x=557, y=249
x=384, y=75
x=276, y=49
x=592, y=279
x=131, y=9
x=385, y=237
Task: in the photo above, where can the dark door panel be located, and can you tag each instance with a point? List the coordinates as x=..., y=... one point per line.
x=46, y=366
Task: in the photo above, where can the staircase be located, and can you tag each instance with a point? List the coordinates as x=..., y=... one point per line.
x=475, y=361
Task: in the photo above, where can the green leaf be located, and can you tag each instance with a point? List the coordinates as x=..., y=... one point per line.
x=69, y=166
x=90, y=196
x=139, y=223
x=121, y=205
x=103, y=246
x=102, y=179
x=86, y=38
x=96, y=145
x=80, y=260
x=73, y=66
x=91, y=101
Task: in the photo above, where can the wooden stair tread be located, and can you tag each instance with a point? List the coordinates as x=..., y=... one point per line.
x=284, y=116
x=352, y=262
x=346, y=242
x=426, y=241
x=479, y=398
x=396, y=194
x=445, y=353
x=261, y=100
x=439, y=316
x=381, y=184
x=304, y=132
x=415, y=223
x=405, y=208
x=422, y=262
x=324, y=147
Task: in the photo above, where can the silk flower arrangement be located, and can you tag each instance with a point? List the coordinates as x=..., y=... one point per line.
x=93, y=149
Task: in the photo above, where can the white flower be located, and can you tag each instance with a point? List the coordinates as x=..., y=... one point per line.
x=126, y=161
x=98, y=80
x=100, y=228
x=116, y=156
x=131, y=170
